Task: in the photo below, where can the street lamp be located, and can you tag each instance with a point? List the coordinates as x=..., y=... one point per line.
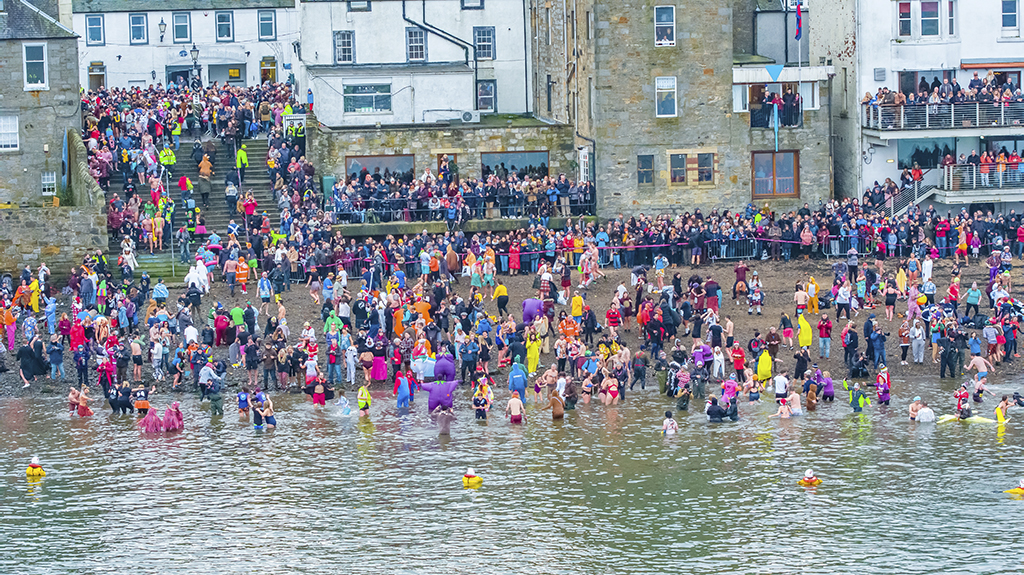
x=197, y=84
x=163, y=28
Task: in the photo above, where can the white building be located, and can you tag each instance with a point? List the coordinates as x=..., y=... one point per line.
x=902, y=45
x=142, y=42
x=405, y=62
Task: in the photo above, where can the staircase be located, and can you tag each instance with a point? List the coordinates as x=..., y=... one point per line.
x=910, y=196
x=217, y=216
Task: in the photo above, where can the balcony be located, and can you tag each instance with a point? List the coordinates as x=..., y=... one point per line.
x=937, y=120
x=969, y=183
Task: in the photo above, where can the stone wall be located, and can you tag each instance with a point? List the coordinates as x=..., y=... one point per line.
x=43, y=118
x=328, y=148
x=701, y=61
x=83, y=190
x=57, y=236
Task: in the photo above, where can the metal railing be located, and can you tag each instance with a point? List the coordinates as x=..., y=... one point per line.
x=943, y=116
x=974, y=176
x=763, y=116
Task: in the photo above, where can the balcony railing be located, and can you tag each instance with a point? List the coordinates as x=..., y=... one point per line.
x=762, y=116
x=968, y=115
x=983, y=177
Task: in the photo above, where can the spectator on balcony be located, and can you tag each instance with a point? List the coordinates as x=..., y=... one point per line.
x=945, y=91
x=1013, y=165
x=916, y=172
x=906, y=179
x=976, y=83
x=1000, y=168
x=957, y=89
x=984, y=167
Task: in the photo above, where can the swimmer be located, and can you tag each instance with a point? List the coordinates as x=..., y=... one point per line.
x=983, y=366
x=979, y=391
x=925, y=414
x=1002, y=408
x=857, y=397
x=515, y=409
x=243, y=404
x=268, y=414
x=714, y=411
x=556, y=404
x=783, y=412
x=35, y=470
x=809, y=480
x=793, y=401
x=445, y=415
x=481, y=403
x=364, y=400
x=669, y=426
x=915, y=407
x=471, y=479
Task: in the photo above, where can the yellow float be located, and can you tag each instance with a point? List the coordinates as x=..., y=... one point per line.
x=471, y=480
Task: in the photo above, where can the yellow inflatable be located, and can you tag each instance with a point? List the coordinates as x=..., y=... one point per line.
x=922, y=299
x=1019, y=490
x=809, y=480
x=471, y=480
x=764, y=366
x=805, y=332
x=35, y=470
x=901, y=280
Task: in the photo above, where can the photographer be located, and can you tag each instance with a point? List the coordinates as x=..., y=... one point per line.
x=878, y=345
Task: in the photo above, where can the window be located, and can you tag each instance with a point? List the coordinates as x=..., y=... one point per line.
x=344, y=47
x=776, y=174
x=472, y=4
x=182, y=27
x=533, y=164
x=590, y=97
x=904, y=18
x=381, y=167
x=94, y=30
x=485, y=92
x=677, y=168
x=8, y=132
x=644, y=169
x=268, y=25
x=549, y=85
x=36, y=77
x=952, y=20
x=483, y=39
x=358, y=5
x=665, y=95
x=547, y=23
x=415, y=44
x=49, y=183
x=138, y=29
x=929, y=18
x=367, y=98
x=1009, y=13
x=664, y=25
x=225, y=27
x=705, y=168
x=590, y=25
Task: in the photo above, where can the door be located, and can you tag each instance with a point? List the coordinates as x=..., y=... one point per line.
x=452, y=158
x=268, y=70
x=97, y=77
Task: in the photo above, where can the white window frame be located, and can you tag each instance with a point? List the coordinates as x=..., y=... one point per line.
x=89, y=27
x=338, y=35
x=174, y=27
x=217, y=24
x=411, y=33
x=951, y=17
x=359, y=6
x=741, y=98
x=49, y=183
x=1009, y=31
x=494, y=95
x=374, y=95
x=660, y=90
x=937, y=19
x=672, y=40
x=9, y=131
x=477, y=31
x=547, y=25
x=472, y=4
x=273, y=25
x=45, y=85
x=909, y=19
x=145, y=28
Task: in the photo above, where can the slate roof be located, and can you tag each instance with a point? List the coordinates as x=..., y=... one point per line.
x=20, y=20
x=99, y=6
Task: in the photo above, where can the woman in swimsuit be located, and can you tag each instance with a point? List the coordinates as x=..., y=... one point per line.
x=587, y=389
x=890, y=300
x=783, y=412
x=612, y=391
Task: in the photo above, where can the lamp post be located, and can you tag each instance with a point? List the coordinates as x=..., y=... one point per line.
x=163, y=28
x=197, y=83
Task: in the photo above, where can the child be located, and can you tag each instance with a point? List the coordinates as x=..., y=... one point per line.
x=755, y=301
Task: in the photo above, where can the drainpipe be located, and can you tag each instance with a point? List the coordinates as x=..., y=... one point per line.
x=526, y=59
x=459, y=42
x=428, y=29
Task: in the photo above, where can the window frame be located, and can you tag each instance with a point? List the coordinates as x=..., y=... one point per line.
x=352, y=47
x=908, y=20
x=374, y=95
x=103, y=33
x=672, y=39
x=931, y=20
x=675, y=97
x=1003, y=13
x=478, y=6
x=951, y=17
x=774, y=177
x=273, y=25
x=174, y=27
x=688, y=175
x=547, y=24
x=16, y=133
x=45, y=84
x=48, y=179
x=494, y=96
x=360, y=5
x=642, y=171
x=230, y=23
x=411, y=30
x=476, y=43
x=145, y=28
x=677, y=176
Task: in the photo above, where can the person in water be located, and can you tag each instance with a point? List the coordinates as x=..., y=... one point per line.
x=35, y=470
x=364, y=400
x=669, y=426
x=925, y=414
x=481, y=403
x=784, y=412
x=266, y=409
x=714, y=411
x=809, y=479
x=1002, y=408
x=445, y=417
x=915, y=407
x=515, y=409
x=556, y=404
x=858, y=399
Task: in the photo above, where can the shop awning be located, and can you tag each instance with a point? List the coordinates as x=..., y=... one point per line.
x=990, y=63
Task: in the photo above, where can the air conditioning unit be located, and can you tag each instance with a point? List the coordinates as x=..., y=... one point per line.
x=470, y=117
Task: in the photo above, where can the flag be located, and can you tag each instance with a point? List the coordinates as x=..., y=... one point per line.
x=799, y=19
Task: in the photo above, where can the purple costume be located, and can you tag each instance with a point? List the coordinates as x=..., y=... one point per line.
x=532, y=309
x=444, y=367
x=440, y=393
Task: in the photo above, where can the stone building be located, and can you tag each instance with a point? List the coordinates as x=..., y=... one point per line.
x=677, y=107
x=41, y=152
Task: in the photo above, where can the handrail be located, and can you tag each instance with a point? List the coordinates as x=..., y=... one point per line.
x=962, y=116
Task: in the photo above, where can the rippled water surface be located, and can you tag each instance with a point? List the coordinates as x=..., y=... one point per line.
x=600, y=492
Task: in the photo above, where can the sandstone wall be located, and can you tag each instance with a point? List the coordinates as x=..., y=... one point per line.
x=57, y=236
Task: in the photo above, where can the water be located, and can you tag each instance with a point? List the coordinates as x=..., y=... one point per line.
x=600, y=492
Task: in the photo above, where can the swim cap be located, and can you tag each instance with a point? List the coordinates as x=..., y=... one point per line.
x=35, y=461
x=917, y=398
x=808, y=473
x=469, y=471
